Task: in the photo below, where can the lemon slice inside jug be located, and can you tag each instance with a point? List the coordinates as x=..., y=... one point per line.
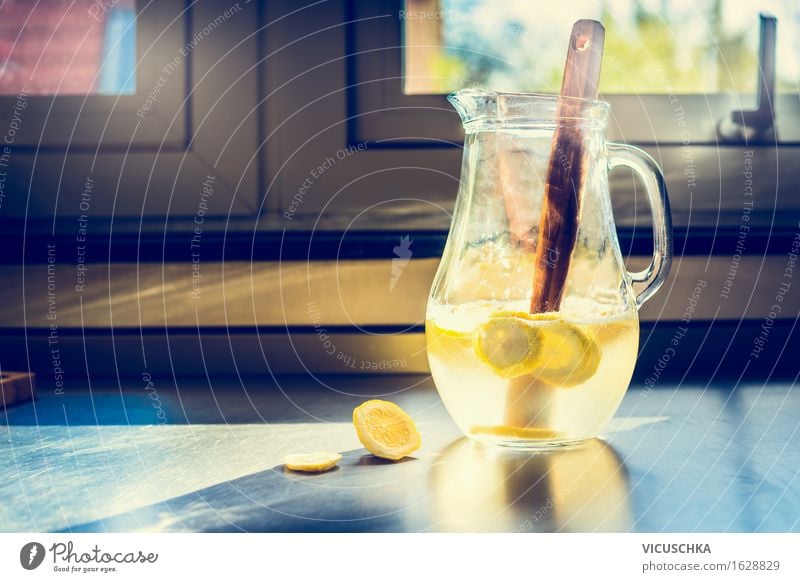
x=570, y=355
x=508, y=344
x=518, y=432
x=445, y=343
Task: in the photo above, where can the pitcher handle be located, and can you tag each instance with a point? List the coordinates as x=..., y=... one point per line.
x=647, y=281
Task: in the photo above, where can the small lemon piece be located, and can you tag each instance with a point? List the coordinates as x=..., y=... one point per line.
x=445, y=343
x=517, y=432
x=312, y=462
x=385, y=429
x=569, y=356
x=508, y=344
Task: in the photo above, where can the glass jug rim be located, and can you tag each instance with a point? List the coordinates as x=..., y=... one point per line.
x=484, y=107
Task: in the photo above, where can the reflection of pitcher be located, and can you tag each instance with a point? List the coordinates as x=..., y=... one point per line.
x=507, y=375
x=476, y=488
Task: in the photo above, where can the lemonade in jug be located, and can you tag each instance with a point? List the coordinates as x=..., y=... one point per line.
x=510, y=374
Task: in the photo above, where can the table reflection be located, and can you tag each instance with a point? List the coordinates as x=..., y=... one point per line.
x=478, y=488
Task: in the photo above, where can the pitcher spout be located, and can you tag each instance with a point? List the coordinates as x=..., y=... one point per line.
x=472, y=104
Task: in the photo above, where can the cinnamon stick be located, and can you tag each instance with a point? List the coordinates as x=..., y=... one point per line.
x=529, y=402
x=558, y=224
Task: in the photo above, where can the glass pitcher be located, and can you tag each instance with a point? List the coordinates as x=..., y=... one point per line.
x=535, y=380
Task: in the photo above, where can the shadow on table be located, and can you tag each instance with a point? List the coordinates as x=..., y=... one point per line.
x=477, y=488
x=467, y=487
x=361, y=494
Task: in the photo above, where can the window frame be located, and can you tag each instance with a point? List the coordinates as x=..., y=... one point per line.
x=80, y=122
x=387, y=116
x=320, y=114
x=149, y=167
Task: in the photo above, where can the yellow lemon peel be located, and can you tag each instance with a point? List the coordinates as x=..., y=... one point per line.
x=519, y=432
x=445, y=342
x=508, y=344
x=570, y=356
x=385, y=429
x=312, y=462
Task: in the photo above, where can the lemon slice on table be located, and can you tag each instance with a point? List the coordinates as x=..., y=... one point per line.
x=570, y=355
x=312, y=462
x=509, y=343
x=385, y=429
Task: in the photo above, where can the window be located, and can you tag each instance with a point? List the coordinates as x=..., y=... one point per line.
x=673, y=85
x=267, y=93
x=411, y=142
x=705, y=46
x=54, y=47
x=142, y=101
x=298, y=111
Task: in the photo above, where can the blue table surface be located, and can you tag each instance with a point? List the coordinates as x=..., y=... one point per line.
x=200, y=457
